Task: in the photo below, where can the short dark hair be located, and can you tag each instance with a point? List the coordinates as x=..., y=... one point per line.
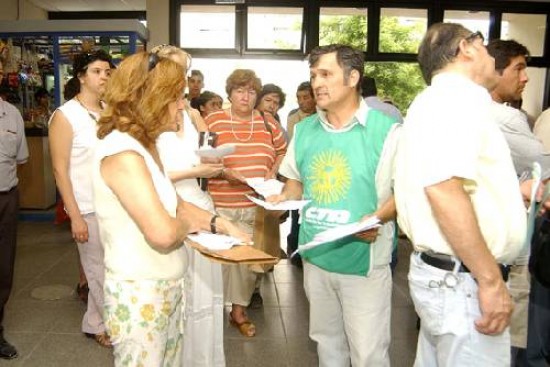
x=198, y=73
x=71, y=88
x=203, y=98
x=82, y=60
x=439, y=47
x=368, y=87
x=41, y=92
x=348, y=58
x=305, y=86
x=272, y=88
x=504, y=51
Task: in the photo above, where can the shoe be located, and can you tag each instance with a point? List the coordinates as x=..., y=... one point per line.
x=102, y=339
x=246, y=328
x=256, y=301
x=7, y=351
x=82, y=292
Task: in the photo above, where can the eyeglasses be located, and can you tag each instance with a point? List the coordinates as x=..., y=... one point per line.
x=475, y=36
x=471, y=38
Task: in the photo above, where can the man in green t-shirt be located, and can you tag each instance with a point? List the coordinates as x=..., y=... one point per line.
x=341, y=160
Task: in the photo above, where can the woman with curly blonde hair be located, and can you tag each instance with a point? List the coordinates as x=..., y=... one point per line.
x=142, y=221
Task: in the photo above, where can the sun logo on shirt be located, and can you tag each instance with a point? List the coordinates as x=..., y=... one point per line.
x=330, y=176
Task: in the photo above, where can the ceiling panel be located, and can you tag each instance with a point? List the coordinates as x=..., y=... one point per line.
x=90, y=5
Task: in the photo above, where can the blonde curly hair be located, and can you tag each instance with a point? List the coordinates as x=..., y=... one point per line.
x=138, y=95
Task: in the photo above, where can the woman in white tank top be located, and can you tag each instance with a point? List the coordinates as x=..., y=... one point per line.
x=72, y=138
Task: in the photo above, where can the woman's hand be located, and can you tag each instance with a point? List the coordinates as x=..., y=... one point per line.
x=270, y=175
x=79, y=229
x=193, y=225
x=208, y=170
x=233, y=175
x=234, y=231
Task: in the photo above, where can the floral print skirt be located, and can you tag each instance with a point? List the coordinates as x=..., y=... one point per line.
x=144, y=320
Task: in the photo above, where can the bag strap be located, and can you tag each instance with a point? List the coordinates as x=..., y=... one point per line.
x=267, y=127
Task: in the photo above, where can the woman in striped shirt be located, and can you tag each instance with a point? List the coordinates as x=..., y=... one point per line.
x=260, y=147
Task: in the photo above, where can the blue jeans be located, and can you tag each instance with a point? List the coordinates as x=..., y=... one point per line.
x=447, y=334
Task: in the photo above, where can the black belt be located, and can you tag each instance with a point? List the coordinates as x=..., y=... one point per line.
x=8, y=191
x=439, y=262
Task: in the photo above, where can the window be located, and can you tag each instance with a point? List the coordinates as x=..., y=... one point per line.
x=473, y=20
x=527, y=29
x=401, y=30
x=343, y=25
x=397, y=82
x=207, y=26
x=274, y=28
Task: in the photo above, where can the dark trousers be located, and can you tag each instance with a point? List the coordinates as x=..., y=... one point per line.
x=538, y=332
x=9, y=208
x=292, y=238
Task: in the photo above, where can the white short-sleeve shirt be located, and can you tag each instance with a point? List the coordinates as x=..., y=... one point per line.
x=449, y=132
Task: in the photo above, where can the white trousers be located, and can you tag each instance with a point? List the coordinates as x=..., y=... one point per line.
x=239, y=280
x=203, y=331
x=349, y=316
x=91, y=258
x=447, y=333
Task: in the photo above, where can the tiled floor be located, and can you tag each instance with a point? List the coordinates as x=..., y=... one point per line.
x=47, y=333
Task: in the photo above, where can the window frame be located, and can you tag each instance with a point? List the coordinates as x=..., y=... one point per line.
x=310, y=27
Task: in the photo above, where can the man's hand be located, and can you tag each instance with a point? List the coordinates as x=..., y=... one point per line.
x=496, y=308
x=369, y=235
x=79, y=228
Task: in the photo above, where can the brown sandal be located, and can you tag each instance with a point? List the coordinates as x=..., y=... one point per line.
x=102, y=339
x=246, y=328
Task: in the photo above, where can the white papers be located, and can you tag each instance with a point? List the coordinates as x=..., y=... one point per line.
x=335, y=233
x=265, y=188
x=283, y=205
x=214, y=241
x=218, y=152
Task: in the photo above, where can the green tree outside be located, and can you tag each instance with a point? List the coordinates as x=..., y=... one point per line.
x=398, y=81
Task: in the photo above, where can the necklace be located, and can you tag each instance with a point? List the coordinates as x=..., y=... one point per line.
x=92, y=116
x=251, y=126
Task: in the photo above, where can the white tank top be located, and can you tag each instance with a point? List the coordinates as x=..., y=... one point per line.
x=177, y=153
x=82, y=152
x=128, y=256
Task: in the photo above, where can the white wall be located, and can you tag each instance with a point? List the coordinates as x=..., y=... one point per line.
x=17, y=10
x=158, y=19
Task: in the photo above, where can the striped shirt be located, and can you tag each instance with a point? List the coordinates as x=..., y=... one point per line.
x=254, y=156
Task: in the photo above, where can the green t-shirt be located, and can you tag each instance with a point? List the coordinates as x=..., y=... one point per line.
x=338, y=171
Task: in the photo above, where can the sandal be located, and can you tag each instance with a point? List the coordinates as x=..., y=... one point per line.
x=102, y=339
x=246, y=328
